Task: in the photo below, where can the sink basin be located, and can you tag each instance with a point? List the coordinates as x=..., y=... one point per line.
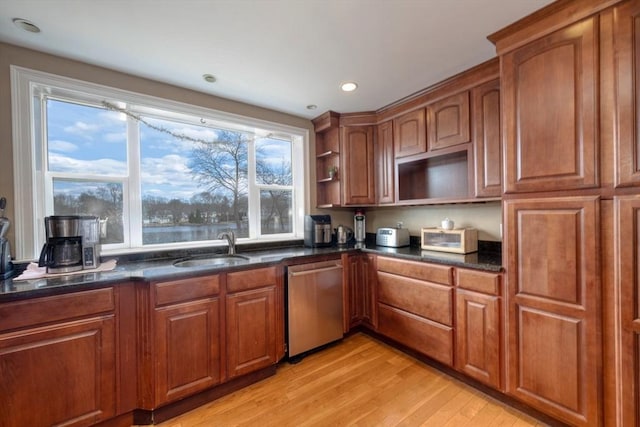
x=216, y=260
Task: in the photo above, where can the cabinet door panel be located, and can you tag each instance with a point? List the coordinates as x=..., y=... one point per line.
x=251, y=331
x=58, y=375
x=448, y=122
x=188, y=349
x=486, y=139
x=410, y=133
x=478, y=336
x=385, y=163
x=627, y=44
x=358, y=178
x=554, y=317
x=627, y=241
x=550, y=99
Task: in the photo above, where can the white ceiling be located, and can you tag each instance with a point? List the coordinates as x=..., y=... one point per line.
x=278, y=54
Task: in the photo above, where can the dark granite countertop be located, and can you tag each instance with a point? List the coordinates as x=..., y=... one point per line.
x=141, y=268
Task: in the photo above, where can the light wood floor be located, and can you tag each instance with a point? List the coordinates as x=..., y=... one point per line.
x=358, y=382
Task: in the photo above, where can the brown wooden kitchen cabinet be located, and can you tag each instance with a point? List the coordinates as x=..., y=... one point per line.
x=385, y=168
x=626, y=240
x=186, y=344
x=487, y=145
x=358, y=177
x=415, y=306
x=448, y=122
x=479, y=326
x=410, y=133
x=254, y=306
x=554, y=332
x=360, y=299
x=550, y=94
x=58, y=359
x=626, y=30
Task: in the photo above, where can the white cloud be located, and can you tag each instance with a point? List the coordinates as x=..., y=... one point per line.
x=168, y=176
x=82, y=129
x=115, y=137
x=62, y=146
x=110, y=167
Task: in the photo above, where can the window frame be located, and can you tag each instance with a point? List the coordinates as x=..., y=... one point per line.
x=30, y=172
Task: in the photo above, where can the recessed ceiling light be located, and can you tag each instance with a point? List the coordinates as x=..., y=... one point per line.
x=312, y=107
x=349, y=86
x=209, y=78
x=23, y=24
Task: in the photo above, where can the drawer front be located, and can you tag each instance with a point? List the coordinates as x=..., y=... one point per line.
x=251, y=279
x=430, y=338
x=417, y=270
x=186, y=289
x=54, y=308
x=479, y=281
x=430, y=300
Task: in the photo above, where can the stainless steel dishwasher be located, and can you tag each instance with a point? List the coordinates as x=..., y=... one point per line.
x=315, y=311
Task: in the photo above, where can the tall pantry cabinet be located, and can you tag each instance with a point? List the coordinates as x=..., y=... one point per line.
x=625, y=22
x=570, y=122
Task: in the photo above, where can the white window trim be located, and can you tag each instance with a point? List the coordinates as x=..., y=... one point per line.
x=30, y=207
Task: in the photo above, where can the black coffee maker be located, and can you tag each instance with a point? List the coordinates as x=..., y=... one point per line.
x=62, y=253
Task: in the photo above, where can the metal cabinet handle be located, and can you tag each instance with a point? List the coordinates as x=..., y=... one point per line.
x=314, y=271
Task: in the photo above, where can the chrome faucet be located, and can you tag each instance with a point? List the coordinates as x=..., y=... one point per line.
x=231, y=240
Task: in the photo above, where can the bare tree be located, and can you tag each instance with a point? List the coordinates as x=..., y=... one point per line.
x=222, y=166
x=278, y=202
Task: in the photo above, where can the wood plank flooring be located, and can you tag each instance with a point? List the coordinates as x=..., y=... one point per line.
x=358, y=382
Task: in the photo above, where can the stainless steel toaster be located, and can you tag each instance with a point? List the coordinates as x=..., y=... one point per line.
x=393, y=237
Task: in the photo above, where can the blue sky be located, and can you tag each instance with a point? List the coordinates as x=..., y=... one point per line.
x=93, y=140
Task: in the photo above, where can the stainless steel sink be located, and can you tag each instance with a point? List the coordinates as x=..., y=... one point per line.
x=216, y=260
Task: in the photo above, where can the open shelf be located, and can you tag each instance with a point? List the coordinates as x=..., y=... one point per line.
x=440, y=175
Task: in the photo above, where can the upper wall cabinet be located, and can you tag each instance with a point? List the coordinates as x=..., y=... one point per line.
x=448, y=121
x=409, y=133
x=626, y=36
x=345, y=173
x=486, y=139
x=384, y=156
x=358, y=178
x=550, y=94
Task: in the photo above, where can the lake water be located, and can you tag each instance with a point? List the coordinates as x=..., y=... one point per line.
x=186, y=233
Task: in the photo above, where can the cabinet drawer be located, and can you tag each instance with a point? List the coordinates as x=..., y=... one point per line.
x=186, y=289
x=425, y=299
x=251, y=279
x=427, y=337
x=54, y=308
x=417, y=270
x=487, y=283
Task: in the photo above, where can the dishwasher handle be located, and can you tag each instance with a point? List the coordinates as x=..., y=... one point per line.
x=314, y=271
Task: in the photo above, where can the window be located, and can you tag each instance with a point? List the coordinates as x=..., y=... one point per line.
x=158, y=173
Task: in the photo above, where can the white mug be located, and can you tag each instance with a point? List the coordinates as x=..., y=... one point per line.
x=447, y=224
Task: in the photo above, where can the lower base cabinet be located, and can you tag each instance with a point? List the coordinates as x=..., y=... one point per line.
x=184, y=354
x=56, y=368
x=251, y=327
x=187, y=349
x=479, y=326
x=415, y=306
